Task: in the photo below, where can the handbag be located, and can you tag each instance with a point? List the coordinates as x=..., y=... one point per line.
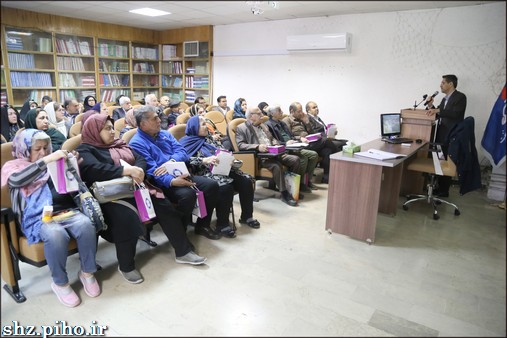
x=200, y=204
x=88, y=204
x=144, y=204
x=115, y=189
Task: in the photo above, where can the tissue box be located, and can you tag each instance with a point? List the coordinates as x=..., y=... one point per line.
x=313, y=137
x=276, y=149
x=351, y=148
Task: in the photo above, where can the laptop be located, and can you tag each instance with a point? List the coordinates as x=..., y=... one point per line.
x=390, y=129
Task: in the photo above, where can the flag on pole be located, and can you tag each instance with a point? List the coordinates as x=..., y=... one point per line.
x=493, y=141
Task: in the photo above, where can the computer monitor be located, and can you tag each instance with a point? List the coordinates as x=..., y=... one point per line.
x=390, y=125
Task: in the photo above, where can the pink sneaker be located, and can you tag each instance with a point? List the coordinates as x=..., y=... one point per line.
x=66, y=295
x=90, y=285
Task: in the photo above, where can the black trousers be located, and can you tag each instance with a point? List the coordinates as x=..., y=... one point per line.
x=185, y=198
x=244, y=186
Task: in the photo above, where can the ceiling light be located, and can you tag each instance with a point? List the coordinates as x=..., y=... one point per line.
x=19, y=33
x=149, y=12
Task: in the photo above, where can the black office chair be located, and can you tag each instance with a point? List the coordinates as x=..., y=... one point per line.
x=435, y=166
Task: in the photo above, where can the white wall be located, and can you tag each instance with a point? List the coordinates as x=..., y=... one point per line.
x=396, y=57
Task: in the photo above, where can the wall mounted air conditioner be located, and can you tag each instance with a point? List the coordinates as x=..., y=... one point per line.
x=190, y=48
x=319, y=42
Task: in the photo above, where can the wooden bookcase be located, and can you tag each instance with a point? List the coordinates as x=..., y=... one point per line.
x=75, y=58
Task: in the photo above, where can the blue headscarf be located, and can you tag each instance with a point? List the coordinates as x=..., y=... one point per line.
x=192, y=142
x=238, y=113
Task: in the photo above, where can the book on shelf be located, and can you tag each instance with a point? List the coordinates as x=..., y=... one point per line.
x=168, y=52
x=379, y=155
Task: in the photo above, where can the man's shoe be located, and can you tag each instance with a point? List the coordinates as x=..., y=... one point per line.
x=191, y=258
x=133, y=277
x=312, y=186
x=304, y=188
x=289, y=200
x=325, y=179
x=207, y=232
x=252, y=223
x=226, y=231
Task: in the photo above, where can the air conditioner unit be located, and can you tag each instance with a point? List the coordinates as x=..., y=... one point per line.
x=190, y=48
x=323, y=42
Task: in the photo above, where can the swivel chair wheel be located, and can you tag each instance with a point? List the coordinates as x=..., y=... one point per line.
x=436, y=216
x=405, y=207
x=456, y=212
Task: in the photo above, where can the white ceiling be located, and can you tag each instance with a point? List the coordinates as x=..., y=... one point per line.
x=198, y=13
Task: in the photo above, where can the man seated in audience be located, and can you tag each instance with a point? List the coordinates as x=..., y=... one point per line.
x=200, y=100
x=45, y=100
x=158, y=147
x=300, y=126
x=308, y=158
x=151, y=100
x=254, y=135
x=174, y=112
x=222, y=105
x=312, y=109
x=125, y=106
x=72, y=109
x=164, y=102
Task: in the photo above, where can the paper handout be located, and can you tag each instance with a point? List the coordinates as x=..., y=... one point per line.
x=379, y=155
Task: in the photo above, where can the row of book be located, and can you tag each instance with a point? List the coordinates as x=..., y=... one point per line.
x=29, y=79
x=174, y=96
x=143, y=67
x=113, y=66
x=171, y=81
x=197, y=82
x=175, y=67
x=73, y=46
x=111, y=80
x=70, y=63
x=71, y=94
x=189, y=95
x=113, y=50
x=21, y=61
x=68, y=80
x=144, y=53
x=37, y=95
x=146, y=81
x=3, y=97
x=110, y=95
x=168, y=52
x=139, y=95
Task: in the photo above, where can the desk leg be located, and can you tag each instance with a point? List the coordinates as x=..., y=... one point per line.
x=390, y=190
x=353, y=199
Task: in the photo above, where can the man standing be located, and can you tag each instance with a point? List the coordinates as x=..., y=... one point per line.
x=451, y=111
x=254, y=135
x=125, y=104
x=159, y=146
x=222, y=105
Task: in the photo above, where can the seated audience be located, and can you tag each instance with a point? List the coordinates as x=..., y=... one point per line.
x=197, y=109
x=239, y=109
x=10, y=123
x=29, y=104
x=221, y=105
x=101, y=153
x=201, y=147
x=313, y=113
x=89, y=102
x=159, y=146
x=281, y=132
x=300, y=126
x=38, y=119
x=125, y=105
x=130, y=122
x=254, y=135
x=117, y=101
x=100, y=107
x=72, y=109
x=174, y=112
x=45, y=100
x=200, y=100
x=56, y=117
x=164, y=102
x=263, y=106
x=31, y=191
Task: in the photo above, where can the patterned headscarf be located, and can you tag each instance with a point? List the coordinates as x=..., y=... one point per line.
x=192, y=142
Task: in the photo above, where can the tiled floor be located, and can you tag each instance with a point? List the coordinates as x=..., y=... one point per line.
x=291, y=278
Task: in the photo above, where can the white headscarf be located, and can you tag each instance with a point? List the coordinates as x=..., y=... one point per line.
x=60, y=126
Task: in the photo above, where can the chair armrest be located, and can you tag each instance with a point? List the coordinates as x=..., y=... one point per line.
x=249, y=161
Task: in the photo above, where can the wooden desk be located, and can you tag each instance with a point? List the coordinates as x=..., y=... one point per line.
x=359, y=188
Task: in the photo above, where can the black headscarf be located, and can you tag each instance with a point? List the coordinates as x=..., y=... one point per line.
x=261, y=106
x=57, y=138
x=25, y=109
x=9, y=130
x=86, y=105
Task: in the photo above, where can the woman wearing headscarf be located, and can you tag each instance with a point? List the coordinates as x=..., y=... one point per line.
x=263, y=106
x=56, y=117
x=89, y=102
x=239, y=108
x=101, y=153
x=38, y=119
x=201, y=147
x=10, y=122
x=26, y=108
x=31, y=193
x=130, y=122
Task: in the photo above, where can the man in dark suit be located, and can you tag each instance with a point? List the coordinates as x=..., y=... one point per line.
x=451, y=111
x=125, y=104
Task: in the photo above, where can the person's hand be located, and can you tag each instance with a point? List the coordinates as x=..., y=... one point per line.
x=263, y=148
x=304, y=140
x=290, y=142
x=217, y=137
x=182, y=181
x=135, y=172
x=432, y=112
x=76, y=155
x=160, y=171
x=429, y=102
x=55, y=156
x=210, y=160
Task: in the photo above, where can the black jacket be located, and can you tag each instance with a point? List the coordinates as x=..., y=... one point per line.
x=463, y=153
x=451, y=115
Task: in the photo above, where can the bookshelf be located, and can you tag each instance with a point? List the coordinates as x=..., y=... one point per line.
x=114, y=69
x=91, y=62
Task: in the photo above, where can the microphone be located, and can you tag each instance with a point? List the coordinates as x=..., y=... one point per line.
x=432, y=96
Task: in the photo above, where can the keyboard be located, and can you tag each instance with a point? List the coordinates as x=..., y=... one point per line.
x=398, y=140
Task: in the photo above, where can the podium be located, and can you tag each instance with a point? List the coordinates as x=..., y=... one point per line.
x=415, y=125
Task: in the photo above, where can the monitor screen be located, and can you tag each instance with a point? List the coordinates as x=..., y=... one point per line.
x=390, y=124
